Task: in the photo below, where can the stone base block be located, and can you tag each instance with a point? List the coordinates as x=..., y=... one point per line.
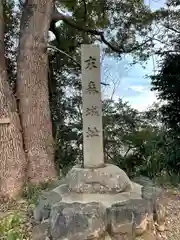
x=97, y=216
x=109, y=179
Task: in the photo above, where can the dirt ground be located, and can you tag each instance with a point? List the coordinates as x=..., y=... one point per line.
x=172, y=226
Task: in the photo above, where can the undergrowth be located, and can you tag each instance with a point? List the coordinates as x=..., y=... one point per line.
x=14, y=222
x=12, y=227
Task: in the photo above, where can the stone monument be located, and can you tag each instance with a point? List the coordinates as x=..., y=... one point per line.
x=92, y=107
x=97, y=201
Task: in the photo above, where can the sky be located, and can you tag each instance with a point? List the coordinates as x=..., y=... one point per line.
x=131, y=82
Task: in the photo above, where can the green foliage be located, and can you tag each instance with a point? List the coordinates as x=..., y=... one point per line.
x=12, y=228
x=166, y=83
x=132, y=142
x=31, y=192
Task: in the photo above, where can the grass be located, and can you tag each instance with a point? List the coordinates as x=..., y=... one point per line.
x=12, y=227
x=15, y=222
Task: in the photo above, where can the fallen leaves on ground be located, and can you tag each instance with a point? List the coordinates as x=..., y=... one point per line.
x=171, y=201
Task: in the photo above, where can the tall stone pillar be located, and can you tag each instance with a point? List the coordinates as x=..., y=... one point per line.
x=92, y=107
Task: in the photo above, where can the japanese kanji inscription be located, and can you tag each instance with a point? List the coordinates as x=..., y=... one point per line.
x=93, y=111
x=92, y=132
x=91, y=89
x=92, y=107
x=90, y=63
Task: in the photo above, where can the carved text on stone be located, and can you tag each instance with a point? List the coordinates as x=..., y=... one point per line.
x=92, y=132
x=91, y=89
x=90, y=63
x=93, y=111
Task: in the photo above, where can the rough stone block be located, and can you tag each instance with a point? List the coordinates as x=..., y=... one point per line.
x=151, y=192
x=44, y=205
x=61, y=189
x=40, y=231
x=120, y=222
x=77, y=221
x=155, y=194
x=141, y=211
x=109, y=179
x=144, y=181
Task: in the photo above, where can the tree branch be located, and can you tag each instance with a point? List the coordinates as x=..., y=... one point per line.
x=126, y=153
x=85, y=10
x=85, y=35
x=171, y=28
x=161, y=52
x=59, y=50
x=57, y=16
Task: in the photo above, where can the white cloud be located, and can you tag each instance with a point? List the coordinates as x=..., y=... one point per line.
x=133, y=86
x=142, y=101
x=138, y=88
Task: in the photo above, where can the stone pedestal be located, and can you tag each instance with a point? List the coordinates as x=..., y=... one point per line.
x=99, y=204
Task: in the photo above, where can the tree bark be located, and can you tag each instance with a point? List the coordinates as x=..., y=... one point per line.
x=32, y=90
x=12, y=157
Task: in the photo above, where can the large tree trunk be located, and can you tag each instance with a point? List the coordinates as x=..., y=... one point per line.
x=32, y=90
x=12, y=157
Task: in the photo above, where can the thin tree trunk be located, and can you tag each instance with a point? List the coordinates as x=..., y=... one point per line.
x=12, y=157
x=32, y=90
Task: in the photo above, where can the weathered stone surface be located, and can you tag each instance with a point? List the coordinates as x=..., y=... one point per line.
x=150, y=192
x=123, y=220
x=136, y=189
x=109, y=179
x=61, y=189
x=77, y=213
x=106, y=199
x=120, y=222
x=155, y=194
x=45, y=203
x=159, y=215
x=40, y=231
x=77, y=221
x=144, y=181
x=141, y=211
